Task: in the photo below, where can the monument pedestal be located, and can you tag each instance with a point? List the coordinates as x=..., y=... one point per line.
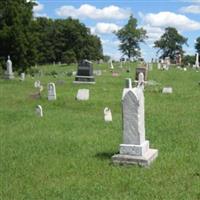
x=84, y=79
x=9, y=76
x=144, y=160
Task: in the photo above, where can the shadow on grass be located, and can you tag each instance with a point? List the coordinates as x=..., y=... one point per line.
x=105, y=155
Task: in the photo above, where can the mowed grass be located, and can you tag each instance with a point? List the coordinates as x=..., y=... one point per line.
x=67, y=153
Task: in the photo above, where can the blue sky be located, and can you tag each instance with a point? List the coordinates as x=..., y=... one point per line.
x=105, y=16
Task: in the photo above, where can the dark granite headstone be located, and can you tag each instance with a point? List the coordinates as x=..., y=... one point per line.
x=85, y=72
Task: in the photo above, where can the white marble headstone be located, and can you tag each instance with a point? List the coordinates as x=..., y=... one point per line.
x=22, y=76
x=111, y=65
x=51, y=91
x=39, y=111
x=83, y=94
x=9, y=72
x=107, y=115
x=134, y=149
x=167, y=90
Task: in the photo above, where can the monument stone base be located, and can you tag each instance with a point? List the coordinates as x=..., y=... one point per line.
x=144, y=160
x=9, y=76
x=84, y=79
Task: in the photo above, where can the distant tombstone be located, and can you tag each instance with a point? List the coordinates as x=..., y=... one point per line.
x=83, y=94
x=111, y=65
x=141, y=80
x=150, y=66
x=167, y=90
x=85, y=73
x=197, y=61
x=37, y=84
x=134, y=149
x=9, y=73
x=97, y=72
x=158, y=66
x=22, y=76
x=141, y=70
x=107, y=115
x=51, y=91
x=39, y=111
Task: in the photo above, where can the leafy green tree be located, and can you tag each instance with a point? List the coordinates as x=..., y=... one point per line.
x=16, y=38
x=197, y=45
x=130, y=36
x=170, y=43
x=189, y=59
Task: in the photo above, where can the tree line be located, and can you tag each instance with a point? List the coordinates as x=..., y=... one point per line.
x=30, y=40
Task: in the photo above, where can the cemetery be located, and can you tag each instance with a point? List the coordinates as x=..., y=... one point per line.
x=65, y=149
x=88, y=116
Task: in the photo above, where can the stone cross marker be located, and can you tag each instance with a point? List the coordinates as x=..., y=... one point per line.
x=134, y=149
x=51, y=91
x=39, y=111
x=197, y=60
x=9, y=73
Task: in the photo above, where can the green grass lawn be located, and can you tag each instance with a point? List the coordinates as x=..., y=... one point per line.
x=67, y=153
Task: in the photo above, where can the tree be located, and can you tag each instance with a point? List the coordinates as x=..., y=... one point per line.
x=197, y=45
x=189, y=59
x=16, y=38
x=170, y=43
x=130, y=36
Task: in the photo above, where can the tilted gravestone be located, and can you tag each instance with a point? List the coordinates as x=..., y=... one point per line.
x=135, y=148
x=51, y=91
x=9, y=72
x=85, y=73
x=39, y=111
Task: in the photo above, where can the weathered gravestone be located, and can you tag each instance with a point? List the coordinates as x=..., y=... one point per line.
x=39, y=111
x=85, y=73
x=22, y=76
x=83, y=94
x=141, y=70
x=107, y=115
x=9, y=72
x=51, y=91
x=167, y=90
x=134, y=149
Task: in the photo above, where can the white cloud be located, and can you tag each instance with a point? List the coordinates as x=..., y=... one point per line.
x=89, y=11
x=104, y=28
x=38, y=8
x=165, y=19
x=153, y=33
x=194, y=9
